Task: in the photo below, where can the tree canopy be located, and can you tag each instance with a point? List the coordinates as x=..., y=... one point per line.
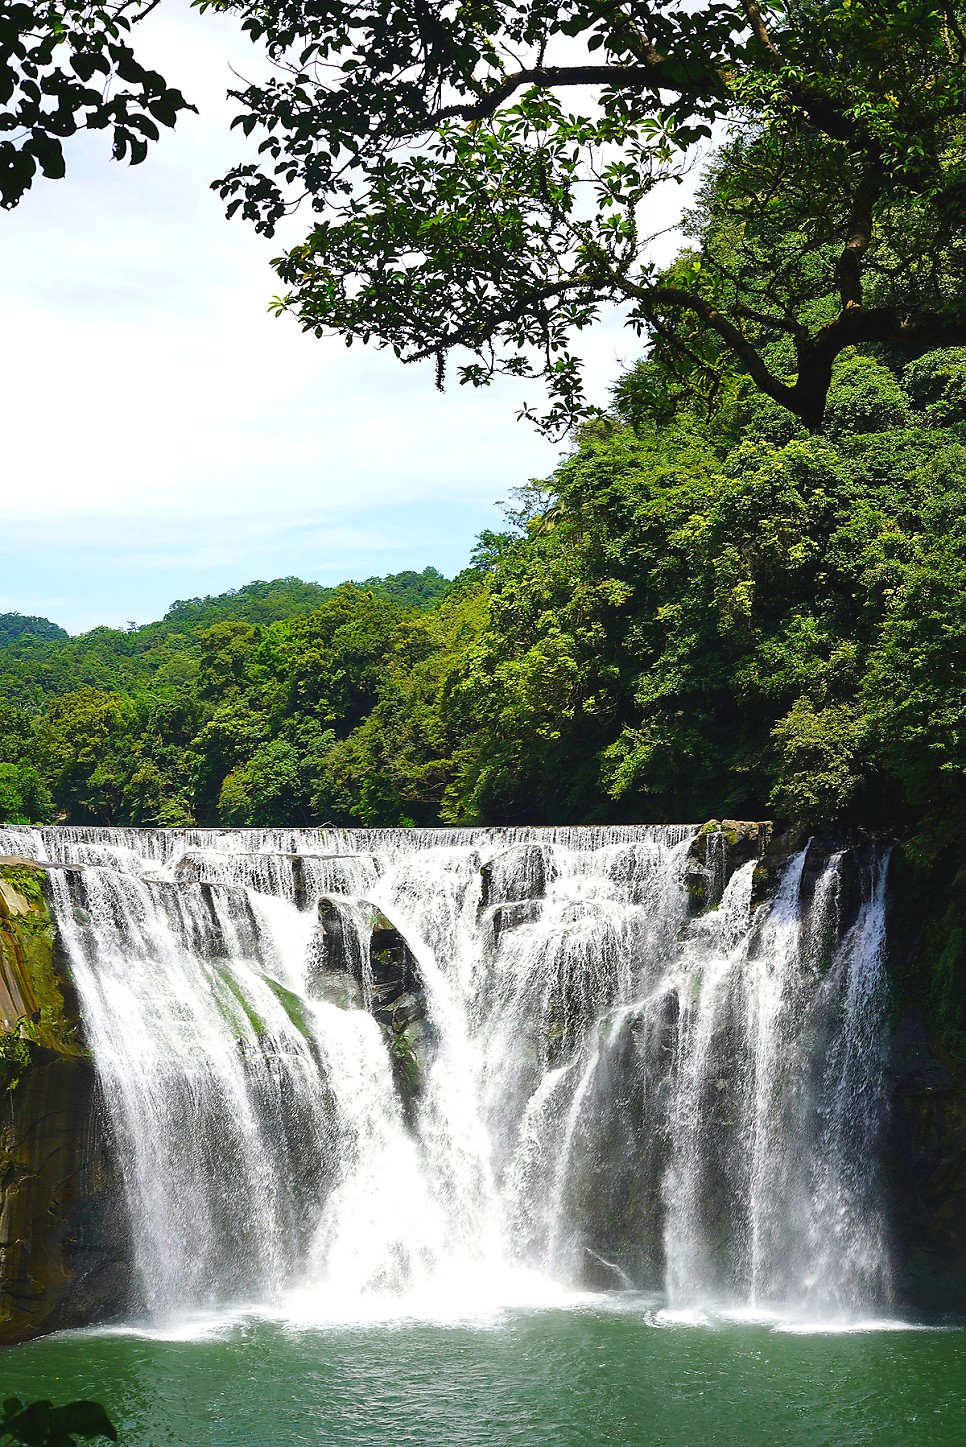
x=15, y=625
x=482, y=173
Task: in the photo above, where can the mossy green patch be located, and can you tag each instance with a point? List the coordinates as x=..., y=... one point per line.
x=234, y=1005
x=33, y=1009
x=697, y=895
x=237, y=1009
x=293, y=1006
x=405, y=1064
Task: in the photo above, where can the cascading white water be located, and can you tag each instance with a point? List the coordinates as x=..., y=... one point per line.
x=772, y=1189
x=610, y=1092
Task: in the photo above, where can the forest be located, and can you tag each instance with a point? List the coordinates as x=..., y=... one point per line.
x=705, y=611
x=742, y=591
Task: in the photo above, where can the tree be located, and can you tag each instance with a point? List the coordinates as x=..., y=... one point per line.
x=87, y=751
x=68, y=65
x=24, y=797
x=914, y=686
x=461, y=204
x=282, y=780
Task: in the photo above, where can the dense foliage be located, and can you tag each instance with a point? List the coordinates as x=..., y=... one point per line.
x=481, y=171
x=482, y=174
x=699, y=614
x=15, y=625
x=144, y=725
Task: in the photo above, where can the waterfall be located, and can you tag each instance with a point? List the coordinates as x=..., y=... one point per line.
x=347, y=1070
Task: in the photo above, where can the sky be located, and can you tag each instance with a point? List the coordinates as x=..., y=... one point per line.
x=166, y=437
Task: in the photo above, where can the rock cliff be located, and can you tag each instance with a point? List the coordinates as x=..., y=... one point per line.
x=63, y=1248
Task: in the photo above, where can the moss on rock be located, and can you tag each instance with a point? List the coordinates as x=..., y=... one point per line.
x=64, y=1254
x=35, y=1008
x=293, y=1006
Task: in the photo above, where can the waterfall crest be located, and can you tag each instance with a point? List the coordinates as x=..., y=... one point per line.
x=352, y=1070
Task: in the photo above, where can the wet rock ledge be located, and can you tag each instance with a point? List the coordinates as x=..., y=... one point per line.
x=358, y=959
x=64, y=1256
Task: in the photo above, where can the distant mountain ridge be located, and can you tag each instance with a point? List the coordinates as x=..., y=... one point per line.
x=39, y=660
x=260, y=602
x=257, y=602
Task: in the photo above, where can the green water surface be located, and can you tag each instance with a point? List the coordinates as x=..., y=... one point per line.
x=572, y=1377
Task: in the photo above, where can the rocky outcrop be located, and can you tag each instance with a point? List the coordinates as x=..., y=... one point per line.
x=360, y=960
x=513, y=886
x=721, y=847
x=926, y=1149
x=516, y=876
x=64, y=1253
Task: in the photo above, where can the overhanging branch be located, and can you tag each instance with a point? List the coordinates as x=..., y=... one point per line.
x=475, y=335
x=647, y=75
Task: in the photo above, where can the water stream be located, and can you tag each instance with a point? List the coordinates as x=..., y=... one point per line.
x=605, y=1092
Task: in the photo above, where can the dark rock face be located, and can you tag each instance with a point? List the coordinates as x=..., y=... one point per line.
x=512, y=915
x=399, y=1005
x=65, y=1256
x=926, y=1152
x=518, y=874
x=360, y=960
x=65, y=1253
x=615, y=1199
x=338, y=957
x=926, y=1163
x=513, y=887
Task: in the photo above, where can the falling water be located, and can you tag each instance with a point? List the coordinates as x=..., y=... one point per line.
x=352, y=1068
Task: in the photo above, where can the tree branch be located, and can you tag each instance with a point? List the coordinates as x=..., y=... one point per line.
x=760, y=31
x=767, y=319
x=469, y=335
x=720, y=322
x=905, y=325
x=648, y=75
x=854, y=326
x=145, y=11
x=858, y=238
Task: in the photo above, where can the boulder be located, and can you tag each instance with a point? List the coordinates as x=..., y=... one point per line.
x=721, y=847
x=359, y=959
x=519, y=873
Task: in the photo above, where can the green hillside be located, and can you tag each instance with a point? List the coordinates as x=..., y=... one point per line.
x=19, y=625
x=701, y=612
